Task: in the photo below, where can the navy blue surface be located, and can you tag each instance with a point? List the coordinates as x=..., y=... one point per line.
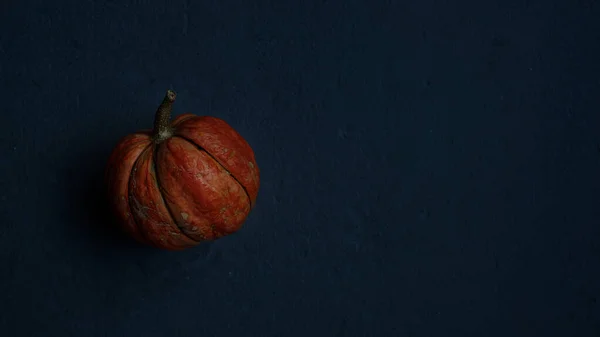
x=429, y=168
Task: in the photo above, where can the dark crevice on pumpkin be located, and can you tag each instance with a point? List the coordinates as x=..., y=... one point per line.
x=220, y=164
x=141, y=233
x=162, y=196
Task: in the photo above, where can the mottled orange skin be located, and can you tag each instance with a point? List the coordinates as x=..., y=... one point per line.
x=198, y=185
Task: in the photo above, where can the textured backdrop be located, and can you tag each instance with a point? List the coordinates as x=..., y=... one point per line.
x=428, y=168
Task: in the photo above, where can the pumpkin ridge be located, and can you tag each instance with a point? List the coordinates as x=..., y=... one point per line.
x=137, y=225
x=180, y=119
x=200, y=148
x=162, y=196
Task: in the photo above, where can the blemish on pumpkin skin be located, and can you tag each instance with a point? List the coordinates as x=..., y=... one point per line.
x=140, y=210
x=250, y=164
x=184, y=215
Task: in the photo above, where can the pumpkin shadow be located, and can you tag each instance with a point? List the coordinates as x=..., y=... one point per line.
x=87, y=191
x=88, y=195
x=110, y=249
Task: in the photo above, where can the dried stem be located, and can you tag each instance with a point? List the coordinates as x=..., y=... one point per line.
x=162, y=119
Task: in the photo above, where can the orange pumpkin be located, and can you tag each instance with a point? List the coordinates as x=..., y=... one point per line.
x=184, y=182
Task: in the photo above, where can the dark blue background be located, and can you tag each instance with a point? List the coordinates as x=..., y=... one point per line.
x=429, y=168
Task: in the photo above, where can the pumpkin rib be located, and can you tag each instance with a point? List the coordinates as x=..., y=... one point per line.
x=181, y=118
x=153, y=215
x=200, y=148
x=162, y=196
x=123, y=153
x=137, y=225
x=200, y=193
x=221, y=140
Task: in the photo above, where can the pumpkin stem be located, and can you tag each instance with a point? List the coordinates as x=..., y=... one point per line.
x=162, y=119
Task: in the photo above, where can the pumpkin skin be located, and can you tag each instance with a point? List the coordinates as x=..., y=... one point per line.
x=188, y=181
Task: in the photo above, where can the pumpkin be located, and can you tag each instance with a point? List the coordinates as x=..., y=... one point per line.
x=186, y=181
